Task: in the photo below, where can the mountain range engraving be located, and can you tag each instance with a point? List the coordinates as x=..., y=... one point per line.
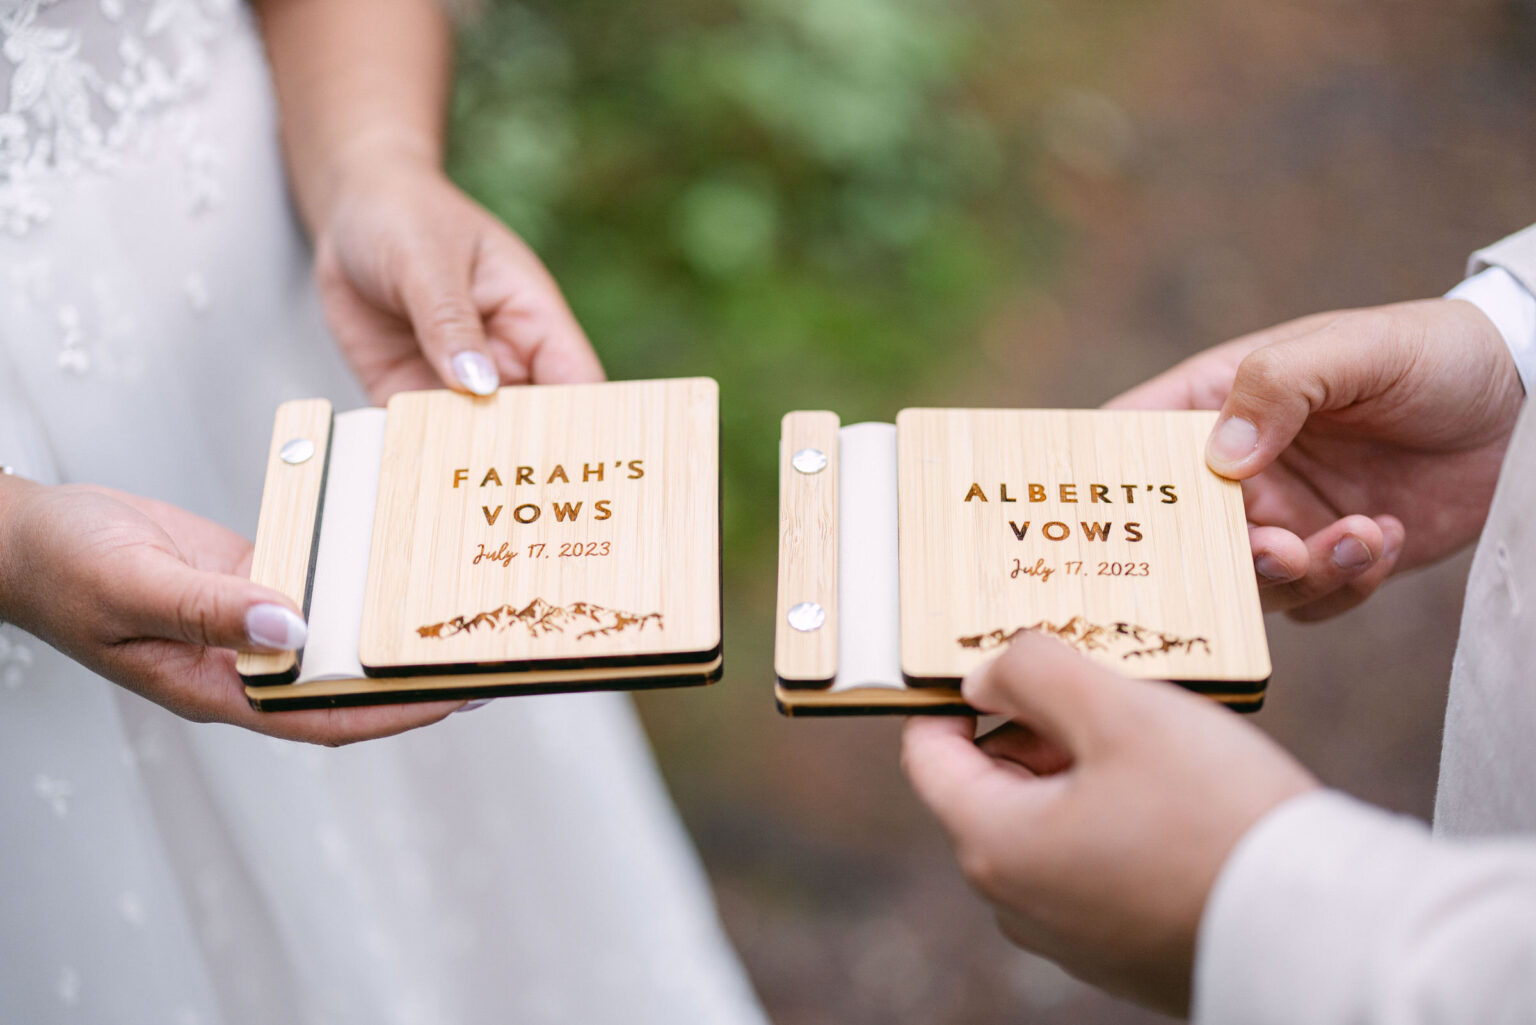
x=540, y=619
x=1128, y=640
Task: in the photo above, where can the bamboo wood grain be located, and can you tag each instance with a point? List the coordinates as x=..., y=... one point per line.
x=1178, y=602
x=286, y=532
x=808, y=539
x=633, y=466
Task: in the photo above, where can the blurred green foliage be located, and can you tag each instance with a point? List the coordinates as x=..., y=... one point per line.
x=801, y=198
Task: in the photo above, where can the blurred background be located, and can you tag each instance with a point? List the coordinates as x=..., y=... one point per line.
x=862, y=205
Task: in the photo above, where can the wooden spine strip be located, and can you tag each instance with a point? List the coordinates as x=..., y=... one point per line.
x=287, y=533
x=808, y=541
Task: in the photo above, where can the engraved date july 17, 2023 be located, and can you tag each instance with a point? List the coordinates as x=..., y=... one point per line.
x=1042, y=572
x=504, y=555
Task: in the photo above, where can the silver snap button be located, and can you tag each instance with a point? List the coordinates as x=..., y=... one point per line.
x=296, y=451
x=807, y=616
x=809, y=460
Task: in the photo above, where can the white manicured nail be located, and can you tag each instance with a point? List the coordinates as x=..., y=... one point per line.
x=272, y=626
x=476, y=372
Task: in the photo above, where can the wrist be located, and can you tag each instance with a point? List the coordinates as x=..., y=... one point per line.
x=14, y=493
x=363, y=158
x=1510, y=309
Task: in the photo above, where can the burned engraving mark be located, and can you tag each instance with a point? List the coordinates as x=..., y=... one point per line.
x=540, y=618
x=1128, y=640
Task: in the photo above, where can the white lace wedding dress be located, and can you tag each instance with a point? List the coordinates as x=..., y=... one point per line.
x=520, y=863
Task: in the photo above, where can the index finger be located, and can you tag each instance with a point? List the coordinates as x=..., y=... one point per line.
x=955, y=779
x=940, y=757
x=533, y=333
x=1203, y=380
x=1172, y=389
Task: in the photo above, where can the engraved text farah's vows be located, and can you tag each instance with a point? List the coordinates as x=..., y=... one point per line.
x=524, y=476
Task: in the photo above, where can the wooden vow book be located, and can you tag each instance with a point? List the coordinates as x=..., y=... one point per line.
x=541, y=539
x=911, y=553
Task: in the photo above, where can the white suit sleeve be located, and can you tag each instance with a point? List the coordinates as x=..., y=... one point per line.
x=1512, y=308
x=1501, y=281
x=1332, y=912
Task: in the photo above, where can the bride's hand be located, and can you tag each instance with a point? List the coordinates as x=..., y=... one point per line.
x=423, y=287
x=156, y=600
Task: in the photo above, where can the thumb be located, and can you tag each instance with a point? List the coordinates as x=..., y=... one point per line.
x=449, y=329
x=1278, y=386
x=213, y=610
x=1045, y=685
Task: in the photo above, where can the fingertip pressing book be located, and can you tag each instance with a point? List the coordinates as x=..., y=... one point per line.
x=910, y=553
x=541, y=539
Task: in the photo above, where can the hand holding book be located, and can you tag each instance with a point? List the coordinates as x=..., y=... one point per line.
x=1368, y=441
x=157, y=600
x=546, y=538
x=1097, y=820
x=423, y=287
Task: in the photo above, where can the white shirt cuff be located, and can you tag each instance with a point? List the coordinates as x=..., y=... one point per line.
x=1301, y=910
x=1512, y=308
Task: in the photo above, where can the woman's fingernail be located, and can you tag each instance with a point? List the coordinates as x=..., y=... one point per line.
x=1233, y=440
x=1351, y=554
x=476, y=372
x=1271, y=568
x=470, y=706
x=1392, y=547
x=272, y=626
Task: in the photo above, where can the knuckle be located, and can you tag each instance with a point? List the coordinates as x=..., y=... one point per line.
x=1010, y=669
x=979, y=867
x=447, y=320
x=1376, y=340
x=986, y=869
x=977, y=690
x=114, y=616
x=327, y=260
x=197, y=609
x=1264, y=372
x=1117, y=726
x=198, y=713
x=339, y=730
x=1293, y=375
x=318, y=736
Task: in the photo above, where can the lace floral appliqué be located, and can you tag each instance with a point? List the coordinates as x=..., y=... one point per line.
x=76, y=102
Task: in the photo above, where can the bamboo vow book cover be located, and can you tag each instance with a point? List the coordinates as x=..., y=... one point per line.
x=545, y=538
x=911, y=553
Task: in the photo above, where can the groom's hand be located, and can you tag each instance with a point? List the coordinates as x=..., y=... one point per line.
x=158, y=601
x=423, y=287
x=1096, y=822
x=1367, y=441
